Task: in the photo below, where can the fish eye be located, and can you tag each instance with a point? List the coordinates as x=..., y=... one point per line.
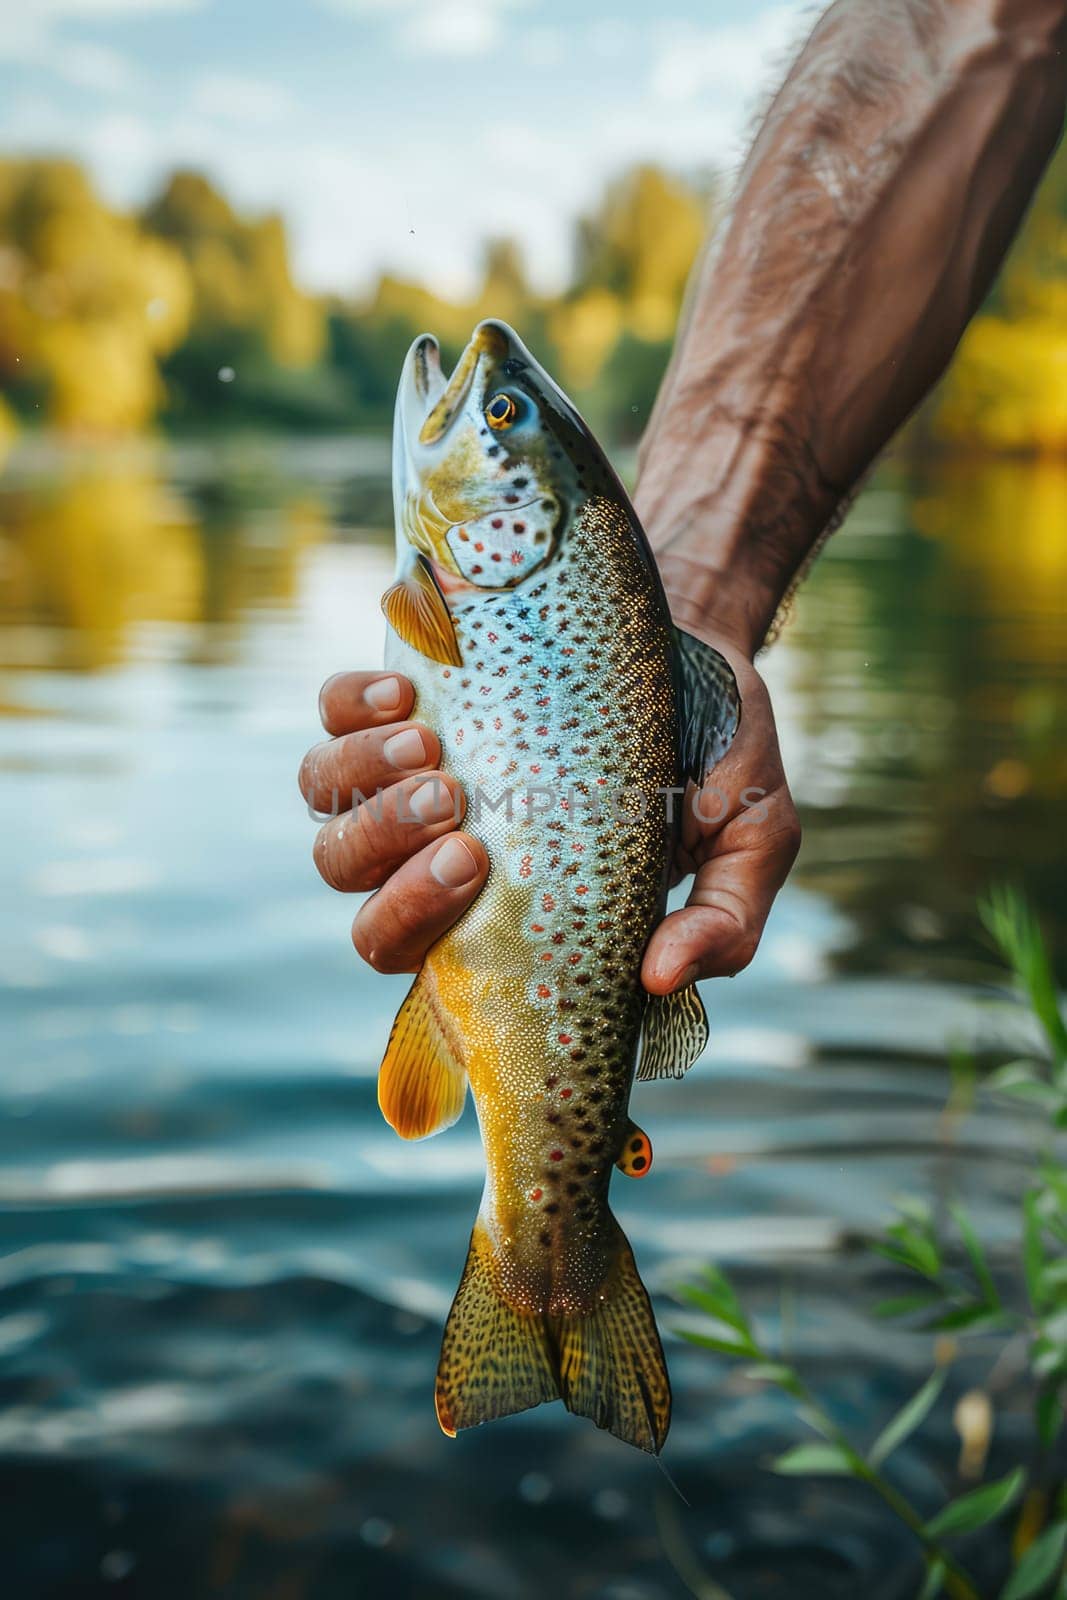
x=501, y=411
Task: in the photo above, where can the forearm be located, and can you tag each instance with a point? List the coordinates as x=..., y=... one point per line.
x=869, y=220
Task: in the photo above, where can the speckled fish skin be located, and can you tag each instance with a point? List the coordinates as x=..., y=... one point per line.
x=565, y=681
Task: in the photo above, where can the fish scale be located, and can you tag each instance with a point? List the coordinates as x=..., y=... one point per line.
x=529, y=616
x=582, y=897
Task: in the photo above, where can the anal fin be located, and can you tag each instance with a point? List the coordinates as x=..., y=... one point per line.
x=416, y=609
x=422, y=1082
x=674, y=1033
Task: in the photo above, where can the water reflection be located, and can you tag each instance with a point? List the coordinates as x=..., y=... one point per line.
x=223, y=1278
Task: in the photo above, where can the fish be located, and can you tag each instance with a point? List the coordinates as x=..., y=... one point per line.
x=528, y=613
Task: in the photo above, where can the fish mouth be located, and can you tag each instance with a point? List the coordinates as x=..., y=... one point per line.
x=489, y=341
x=428, y=401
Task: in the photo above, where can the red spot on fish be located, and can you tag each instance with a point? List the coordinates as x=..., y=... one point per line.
x=519, y=527
x=492, y=637
x=511, y=499
x=547, y=956
x=565, y=1094
x=516, y=558
x=545, y=702
x=447, y=672
x=479, y=546
x=537, y=927
x=566, y=651
x=583, y=888
x=555, y=1155
x=542, y=730
x=496, y=556
x=543, y=991
x=497, y=522
x=536, y=768
x=575, y=958
x=547, y=903
x=535, y=1194
x=566, y=1038
x=602, y=780
x=526, y=867
x=476, y=569
x=464, y=535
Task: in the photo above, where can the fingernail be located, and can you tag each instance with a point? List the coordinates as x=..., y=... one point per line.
x=687, y=976
x=454, y=865
x=433, y=801
x=383, y=694
x=405, y=749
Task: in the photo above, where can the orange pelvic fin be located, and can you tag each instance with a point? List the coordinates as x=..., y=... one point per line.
x=415, y=609
x=635, y=1157
x=422, y=1082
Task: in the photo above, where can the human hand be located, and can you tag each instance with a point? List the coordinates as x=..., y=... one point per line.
x=426, y=874
x=740, y=837
x=405, y=843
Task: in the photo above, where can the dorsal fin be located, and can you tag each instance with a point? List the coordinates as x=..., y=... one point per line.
x=416, y=609
x=422, y=1082
x=674, y=1033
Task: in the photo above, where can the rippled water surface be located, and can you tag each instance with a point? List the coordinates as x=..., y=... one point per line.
x=223, y=1277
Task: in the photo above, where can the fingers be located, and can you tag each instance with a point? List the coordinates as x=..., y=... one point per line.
x=350, y=701
x=720, y=928
x=334, y=775
x=357, y=850
x=420, y=902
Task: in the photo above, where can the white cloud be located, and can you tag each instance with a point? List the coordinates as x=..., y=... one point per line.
x=696, y=61
x=438, y=27
x=91, y=66
x=355, y=202
x=235, y=98
x=103, y=10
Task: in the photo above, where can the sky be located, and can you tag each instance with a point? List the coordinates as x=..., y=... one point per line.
x=392, y=134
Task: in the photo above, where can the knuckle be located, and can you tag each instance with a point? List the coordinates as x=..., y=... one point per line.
x=325, y=698
x=744, y=949
x=324, y=854
x=380, y=957
x=306, y=776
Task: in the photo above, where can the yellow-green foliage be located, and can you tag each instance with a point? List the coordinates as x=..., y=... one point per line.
x=88, y=300
x=107, y=320
x=1007, y=388
x=239, y=270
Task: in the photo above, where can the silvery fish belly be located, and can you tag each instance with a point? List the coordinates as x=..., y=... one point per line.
x=528, y=613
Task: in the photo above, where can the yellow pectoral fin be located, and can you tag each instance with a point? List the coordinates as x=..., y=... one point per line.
x=415, y=609
x=635, y=1157
x=422, y=1083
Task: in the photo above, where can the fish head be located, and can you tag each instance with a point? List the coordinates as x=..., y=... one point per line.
x=487, y=464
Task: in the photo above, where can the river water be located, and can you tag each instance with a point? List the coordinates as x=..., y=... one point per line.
x=223, y=1277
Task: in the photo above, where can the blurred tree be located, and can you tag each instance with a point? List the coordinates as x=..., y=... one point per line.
x=1007, y=387
x=88, y=302
x=633, y=259
x=252, y=329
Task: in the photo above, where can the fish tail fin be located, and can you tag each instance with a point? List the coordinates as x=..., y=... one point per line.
x=495, y=1360
x=611, y=1362
x=606, y=1364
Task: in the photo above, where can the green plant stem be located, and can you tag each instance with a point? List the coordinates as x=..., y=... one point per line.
x=902, y=1508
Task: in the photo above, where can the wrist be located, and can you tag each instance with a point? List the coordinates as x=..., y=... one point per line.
x=731, y=520
x=712, y=604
